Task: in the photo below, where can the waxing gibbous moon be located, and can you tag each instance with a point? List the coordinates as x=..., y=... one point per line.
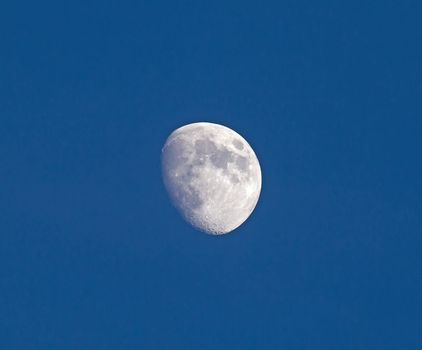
x=212, y=175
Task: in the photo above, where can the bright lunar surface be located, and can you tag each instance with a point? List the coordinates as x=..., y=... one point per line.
x=212, y=175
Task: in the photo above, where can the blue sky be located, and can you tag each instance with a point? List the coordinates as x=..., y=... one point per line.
x=92, y=254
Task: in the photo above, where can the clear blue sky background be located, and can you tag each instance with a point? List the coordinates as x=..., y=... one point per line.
x=93, y=256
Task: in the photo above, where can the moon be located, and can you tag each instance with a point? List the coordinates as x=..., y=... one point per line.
x=212, y=175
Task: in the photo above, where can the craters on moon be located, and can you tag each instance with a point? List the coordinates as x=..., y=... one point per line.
x=212, y=175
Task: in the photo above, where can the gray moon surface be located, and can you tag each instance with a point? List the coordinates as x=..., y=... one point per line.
x=212, y=175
